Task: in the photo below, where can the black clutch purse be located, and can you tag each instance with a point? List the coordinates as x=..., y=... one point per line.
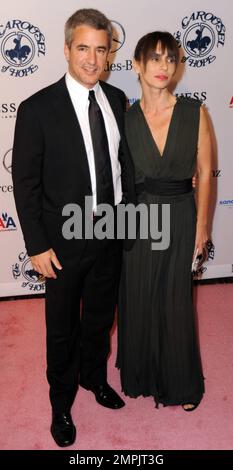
x=200, y=259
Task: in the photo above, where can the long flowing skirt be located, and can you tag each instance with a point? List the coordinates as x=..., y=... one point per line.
x=158, y=352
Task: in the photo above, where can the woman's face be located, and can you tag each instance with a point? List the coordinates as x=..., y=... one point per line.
x=158, y=71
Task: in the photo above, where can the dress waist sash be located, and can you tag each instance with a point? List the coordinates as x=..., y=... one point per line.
x=164, y=187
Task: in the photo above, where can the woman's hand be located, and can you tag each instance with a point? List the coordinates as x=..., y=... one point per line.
x=201, y=239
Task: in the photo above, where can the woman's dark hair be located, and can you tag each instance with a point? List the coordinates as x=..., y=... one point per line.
x=148, y=43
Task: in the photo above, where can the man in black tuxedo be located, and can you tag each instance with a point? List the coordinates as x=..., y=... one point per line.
x=69, y=143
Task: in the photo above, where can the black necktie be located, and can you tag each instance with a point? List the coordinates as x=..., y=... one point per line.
x=103, y=169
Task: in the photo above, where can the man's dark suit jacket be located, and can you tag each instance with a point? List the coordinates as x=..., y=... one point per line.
x=50, y=166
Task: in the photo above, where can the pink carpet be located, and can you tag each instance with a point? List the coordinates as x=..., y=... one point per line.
x=25, y=409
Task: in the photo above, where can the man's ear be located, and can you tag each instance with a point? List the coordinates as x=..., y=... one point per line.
x=67, y=52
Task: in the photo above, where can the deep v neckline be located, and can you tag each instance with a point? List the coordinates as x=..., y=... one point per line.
x=161, y=155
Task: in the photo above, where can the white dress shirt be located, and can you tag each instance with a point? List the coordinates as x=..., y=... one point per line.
x=79, y=97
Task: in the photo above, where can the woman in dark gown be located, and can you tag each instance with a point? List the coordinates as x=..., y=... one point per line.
x=169, y=141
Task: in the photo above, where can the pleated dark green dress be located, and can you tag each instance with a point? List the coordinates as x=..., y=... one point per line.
x=158, y=353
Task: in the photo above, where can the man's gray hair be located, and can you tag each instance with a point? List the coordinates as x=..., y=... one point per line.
x=90, y=17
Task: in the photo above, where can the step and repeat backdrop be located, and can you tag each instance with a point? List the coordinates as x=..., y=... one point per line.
x=31, y=57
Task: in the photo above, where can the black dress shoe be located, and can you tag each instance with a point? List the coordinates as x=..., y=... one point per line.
x=63, y=429
x=106, y=396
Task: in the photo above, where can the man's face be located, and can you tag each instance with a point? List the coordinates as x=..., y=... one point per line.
x=87, y=54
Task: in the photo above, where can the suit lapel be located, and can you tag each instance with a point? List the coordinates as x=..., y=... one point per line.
x=65, y=112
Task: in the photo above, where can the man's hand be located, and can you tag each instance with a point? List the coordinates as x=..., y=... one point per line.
x=42, y=263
